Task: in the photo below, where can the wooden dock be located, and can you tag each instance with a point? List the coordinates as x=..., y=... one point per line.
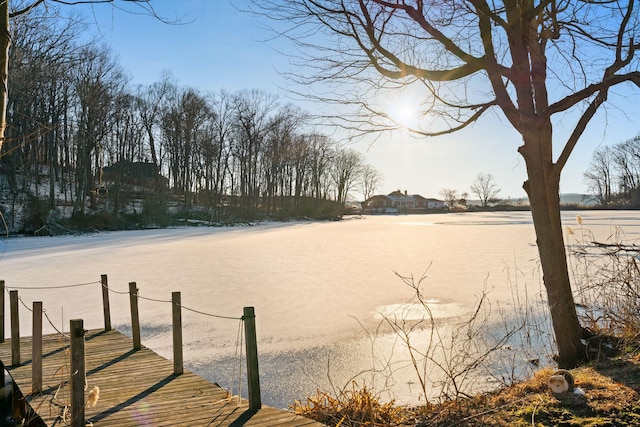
x=137, y=388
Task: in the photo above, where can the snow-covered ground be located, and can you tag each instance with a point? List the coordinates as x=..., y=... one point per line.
x=318, y=288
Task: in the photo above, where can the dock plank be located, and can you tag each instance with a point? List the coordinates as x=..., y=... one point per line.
x=137, y=388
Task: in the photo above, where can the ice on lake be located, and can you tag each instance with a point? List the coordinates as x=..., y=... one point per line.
x=320, y=289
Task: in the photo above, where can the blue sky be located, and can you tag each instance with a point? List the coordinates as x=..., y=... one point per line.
x=218, y=47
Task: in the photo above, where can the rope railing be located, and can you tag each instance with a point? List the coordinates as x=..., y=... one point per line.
x=78, y=285
x=247, y=318
x=53, y=287
x=44, y=312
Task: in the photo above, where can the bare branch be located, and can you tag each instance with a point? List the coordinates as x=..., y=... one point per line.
x=26, y=9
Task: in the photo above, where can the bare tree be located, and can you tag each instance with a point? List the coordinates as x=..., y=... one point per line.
x=253, y=122
x=151, y=101
x=44, y=54
x=485, y=188
x=184, y=131
x=599, y=176
x=532, y=60
x=98, y=79
x=284, y=159
x=370, y=180
x=450, y=197
x=12, y=9
x=222, y=108
x=347, y=167
x=322, y=154
x=626, y=163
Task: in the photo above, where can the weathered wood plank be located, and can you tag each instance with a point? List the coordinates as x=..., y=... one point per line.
x=136, y=387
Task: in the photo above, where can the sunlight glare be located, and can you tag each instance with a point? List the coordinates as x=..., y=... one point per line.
x=404, y=114
x=404, y=111
x=433, y=308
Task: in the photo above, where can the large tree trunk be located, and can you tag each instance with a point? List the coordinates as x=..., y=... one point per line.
x=543, y=188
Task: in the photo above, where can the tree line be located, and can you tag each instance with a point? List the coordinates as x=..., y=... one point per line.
x=75, y=120
x=613, y=176
x=483, y=187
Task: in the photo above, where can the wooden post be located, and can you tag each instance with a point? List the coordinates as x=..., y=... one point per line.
x=135, y=318
x=36, y=349
x=253, y=375
x=1, y=310
x=177, y=333
x=15, y=328
x=105, y=302
x=76, y=332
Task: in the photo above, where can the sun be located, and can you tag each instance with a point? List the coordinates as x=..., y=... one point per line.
x=404, y=113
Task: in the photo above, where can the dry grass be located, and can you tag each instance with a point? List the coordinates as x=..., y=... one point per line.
x=612, y=398
x=355, y=407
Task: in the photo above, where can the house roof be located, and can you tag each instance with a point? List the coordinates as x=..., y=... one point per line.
x=134, y=169
x=400, y=196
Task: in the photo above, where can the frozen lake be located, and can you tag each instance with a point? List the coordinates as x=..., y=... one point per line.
x=319, y=288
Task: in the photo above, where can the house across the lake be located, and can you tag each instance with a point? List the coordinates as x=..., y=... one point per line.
x=398, y=201
x=145, y=175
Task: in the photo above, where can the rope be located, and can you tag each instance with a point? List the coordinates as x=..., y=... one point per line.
x=52, y=325
x=217, y=316
x=8, y=289
x=50, y=287
x=152, y=299
x=238, y=359
x=24, y=304
x=44, y=312
x=116, y=292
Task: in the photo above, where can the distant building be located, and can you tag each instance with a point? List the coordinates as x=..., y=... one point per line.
x=398, y=201
x=141, y=174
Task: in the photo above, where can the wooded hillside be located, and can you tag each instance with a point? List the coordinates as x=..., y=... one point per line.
x=83, y=144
